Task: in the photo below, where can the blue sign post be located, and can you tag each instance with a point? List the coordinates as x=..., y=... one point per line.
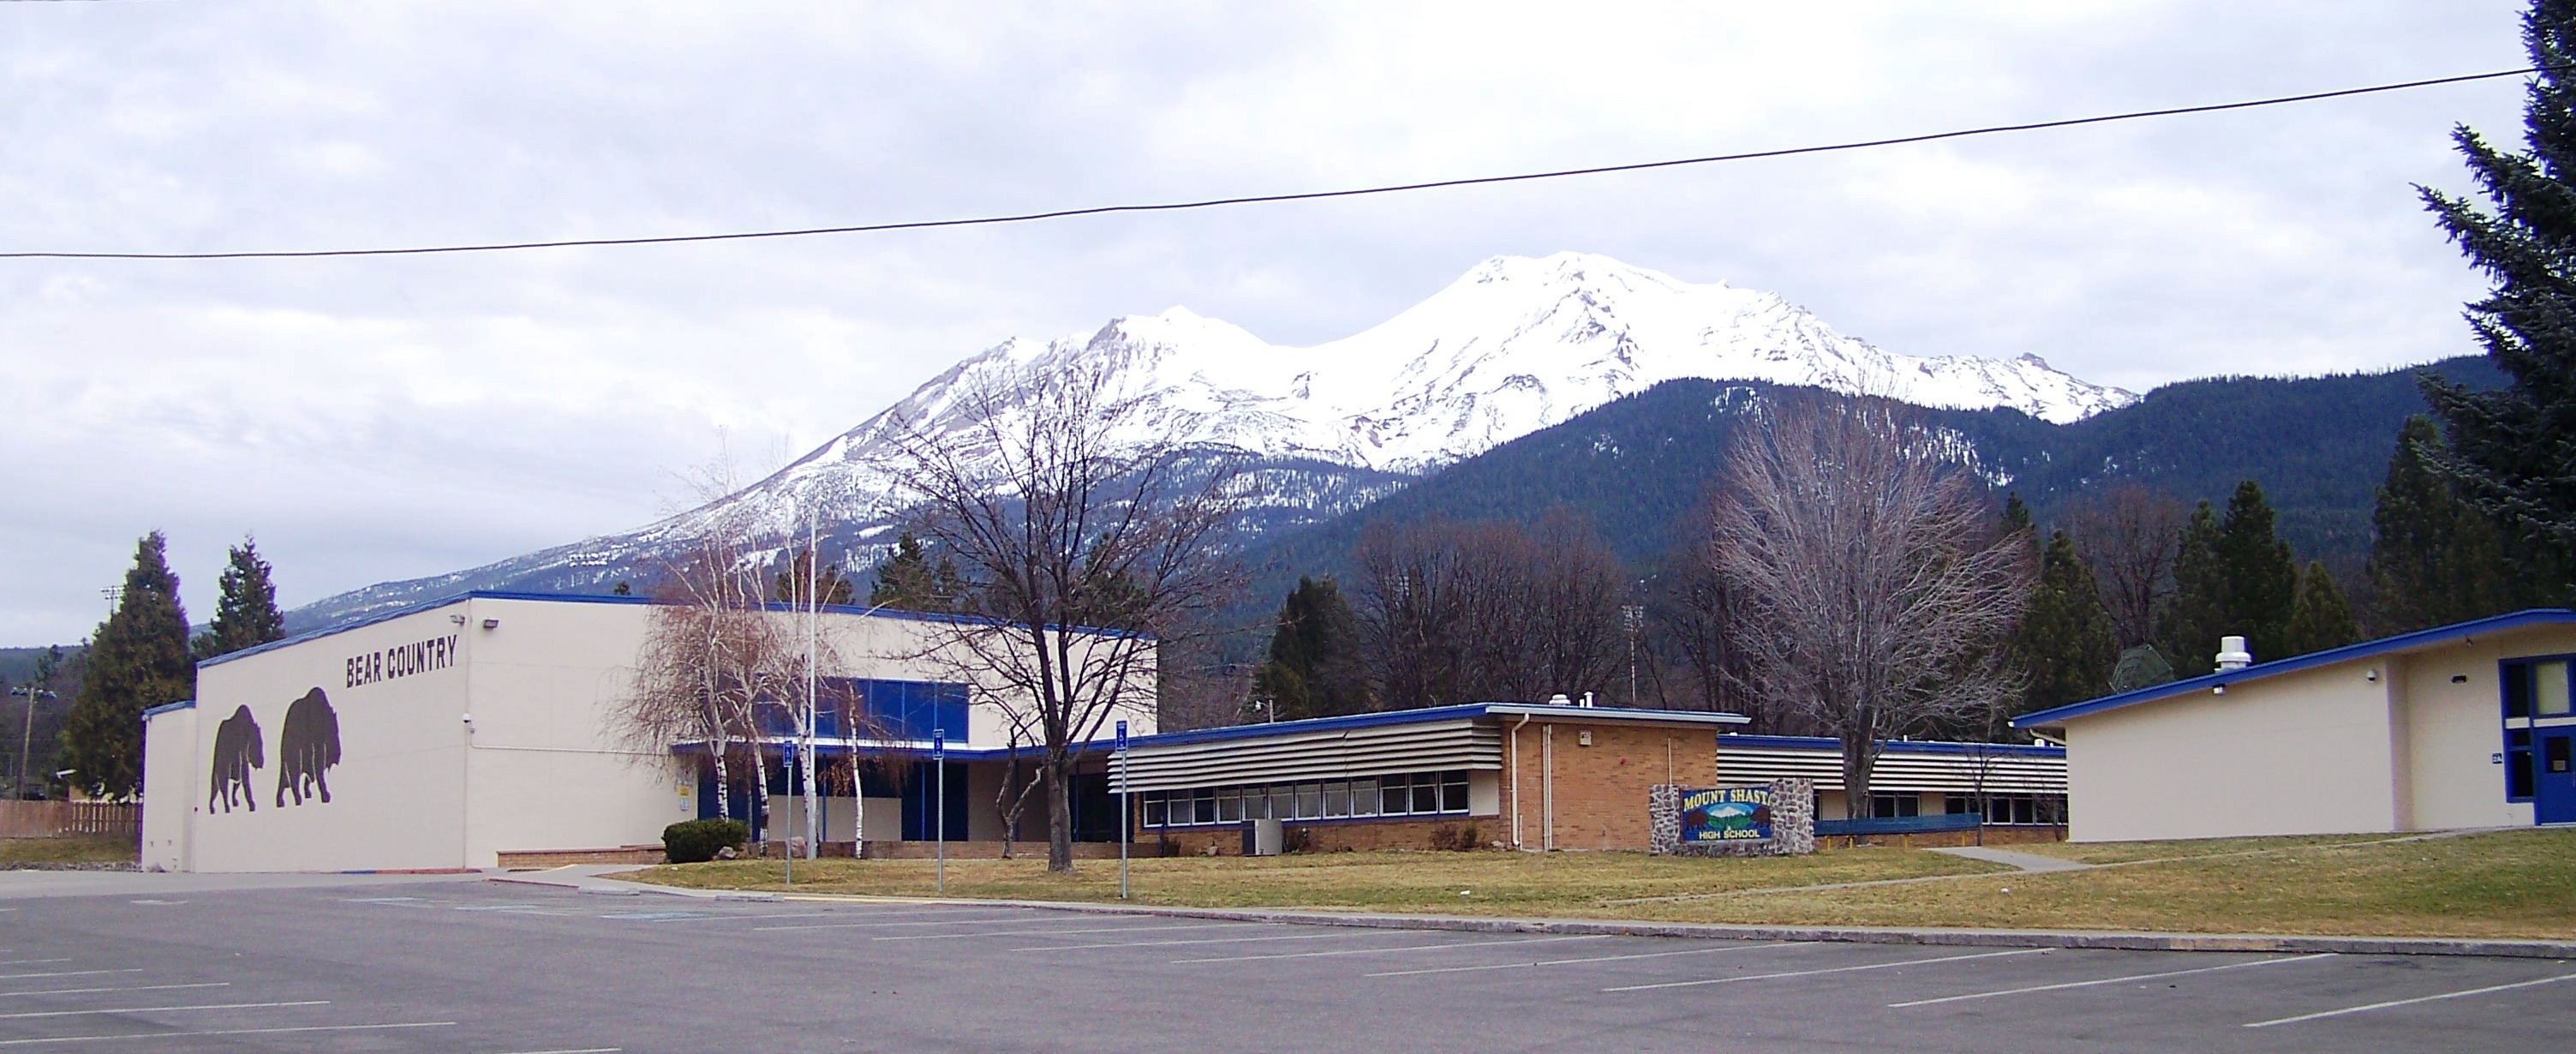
x=1124, y=813
x=939, y=759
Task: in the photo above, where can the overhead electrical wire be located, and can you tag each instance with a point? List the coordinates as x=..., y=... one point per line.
x=1315, y=195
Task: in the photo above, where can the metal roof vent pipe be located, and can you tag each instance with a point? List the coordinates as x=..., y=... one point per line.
x=2232, y=654
x=1559, y=699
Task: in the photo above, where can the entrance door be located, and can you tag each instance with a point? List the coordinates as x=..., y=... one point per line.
x=2554, y=786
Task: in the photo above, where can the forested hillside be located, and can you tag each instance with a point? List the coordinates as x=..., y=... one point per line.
x=2318, y=445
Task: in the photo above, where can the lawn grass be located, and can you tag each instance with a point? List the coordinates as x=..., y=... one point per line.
x=2511, y=884
x=2131, y=852
x=2500, y=885
x=70, y=849
x=1475, y=882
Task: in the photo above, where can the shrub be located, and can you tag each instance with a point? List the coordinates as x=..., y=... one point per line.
x=697, y=841
x=1457, y=837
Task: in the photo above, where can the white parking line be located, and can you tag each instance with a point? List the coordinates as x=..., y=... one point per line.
x=162, y=1009
x=129, y=988
x=225, y=1032
x=573, y=1050
x=1193, y=940
x=856, y=913
x=1588, y=959
x=66, y=973
x=1050, y=933
x=2109, y=980
x=882, y=925
x=31, y=962
x=1835, y=969
x=2410, y=1002
x=1390, y=951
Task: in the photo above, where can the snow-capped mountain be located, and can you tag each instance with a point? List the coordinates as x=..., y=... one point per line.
x=1514, y=346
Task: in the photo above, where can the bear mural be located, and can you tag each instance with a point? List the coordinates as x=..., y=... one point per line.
x=237, y=751
x=307, y=745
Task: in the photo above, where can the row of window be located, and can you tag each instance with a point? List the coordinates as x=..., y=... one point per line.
x=1414, y=794
x=1999, y=809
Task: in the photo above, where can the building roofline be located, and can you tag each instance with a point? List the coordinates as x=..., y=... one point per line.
x=1896, y=746
x=607, y=598
x=183, y=704
x=2368, y=649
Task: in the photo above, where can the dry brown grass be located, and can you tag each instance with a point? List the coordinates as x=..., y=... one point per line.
x=2501, y=885
x=1474, y=882
x=70, y=849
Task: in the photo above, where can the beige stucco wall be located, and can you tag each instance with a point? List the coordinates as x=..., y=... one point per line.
x=169, y=742
x=2382, y=743
x=2300, y=753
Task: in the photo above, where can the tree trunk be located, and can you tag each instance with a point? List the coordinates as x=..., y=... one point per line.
x=1059, y=777
x=1860, y=755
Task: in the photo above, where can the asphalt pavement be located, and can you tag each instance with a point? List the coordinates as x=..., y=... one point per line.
x=462, y=966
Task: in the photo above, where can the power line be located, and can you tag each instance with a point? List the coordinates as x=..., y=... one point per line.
x=1316, y=195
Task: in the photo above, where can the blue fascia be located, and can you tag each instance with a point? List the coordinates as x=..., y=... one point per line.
x=183, y=704
x=2348, y=653
x=1896, y=746
x=610, y=598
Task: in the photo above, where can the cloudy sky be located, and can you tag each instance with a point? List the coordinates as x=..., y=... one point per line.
x=373, y=419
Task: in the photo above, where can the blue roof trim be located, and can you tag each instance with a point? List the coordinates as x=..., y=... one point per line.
x=183, y=704
x=1284, y=728
x=603, y=598
x=2347, y=653
x=1896, y=746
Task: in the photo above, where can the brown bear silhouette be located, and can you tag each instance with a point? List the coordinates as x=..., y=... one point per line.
x=307, y=745
x=237, y=751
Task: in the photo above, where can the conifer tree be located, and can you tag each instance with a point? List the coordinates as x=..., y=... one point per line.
x=792, y=584
x=2064, y=643
x=246, y=615
x=2261, y=578
x=2513, y=450
x=2434, y=559
x=2189, y=628
x=1313, y=669
x=2320, y=619
x=137, y=660
x=907, y=581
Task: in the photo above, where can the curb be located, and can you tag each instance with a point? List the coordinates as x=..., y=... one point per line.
x=1968, y=938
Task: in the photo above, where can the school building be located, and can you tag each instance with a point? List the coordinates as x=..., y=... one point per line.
x=2461, y=726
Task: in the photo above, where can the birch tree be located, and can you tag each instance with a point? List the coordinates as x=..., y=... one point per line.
x=1876, y=591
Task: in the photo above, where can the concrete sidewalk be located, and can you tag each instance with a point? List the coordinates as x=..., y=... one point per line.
x=2030, y=862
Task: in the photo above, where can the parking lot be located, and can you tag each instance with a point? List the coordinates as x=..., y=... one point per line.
x=485, y=968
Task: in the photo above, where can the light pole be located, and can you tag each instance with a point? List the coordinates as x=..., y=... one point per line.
x=27, y=729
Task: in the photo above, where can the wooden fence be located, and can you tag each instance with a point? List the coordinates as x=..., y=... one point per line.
x=49, y=819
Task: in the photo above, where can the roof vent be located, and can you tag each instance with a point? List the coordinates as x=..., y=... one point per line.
x=2232, y=654
x=1559, y=699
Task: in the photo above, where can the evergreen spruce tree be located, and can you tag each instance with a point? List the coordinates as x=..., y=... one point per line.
x=907, y=581
x=2064, y=643
x=2320, y=619
x=246, y=615
x=1313, y=668
x=2260, y=577
x=2434, y=559
x=2513, y=451
x=2140, y=667
x=137, y=660
x=2194, y=616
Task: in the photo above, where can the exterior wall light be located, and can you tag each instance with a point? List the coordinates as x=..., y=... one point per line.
x=2218, y=689
x=491, y=623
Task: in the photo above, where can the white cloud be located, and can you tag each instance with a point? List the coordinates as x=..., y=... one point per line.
x=392, y=417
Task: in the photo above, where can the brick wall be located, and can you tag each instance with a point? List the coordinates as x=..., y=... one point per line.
x=1334, y=837
x=1601, y=799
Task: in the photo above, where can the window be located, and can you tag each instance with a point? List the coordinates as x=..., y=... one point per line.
x=2517, y=764
x=2549, y=689
x=2554, y=753
x=1892, y=806
x=1405, y=794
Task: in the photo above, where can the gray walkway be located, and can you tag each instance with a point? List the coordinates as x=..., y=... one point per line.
x=2031, y=862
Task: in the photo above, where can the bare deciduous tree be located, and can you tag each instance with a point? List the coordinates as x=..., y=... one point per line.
x=1876, y=592
x=711, y=653
x=2127, y=535
x=1064, y=516
x=1463, y=612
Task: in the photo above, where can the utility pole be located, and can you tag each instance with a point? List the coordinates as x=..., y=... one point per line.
x=34, y=693
x=1633, y=618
